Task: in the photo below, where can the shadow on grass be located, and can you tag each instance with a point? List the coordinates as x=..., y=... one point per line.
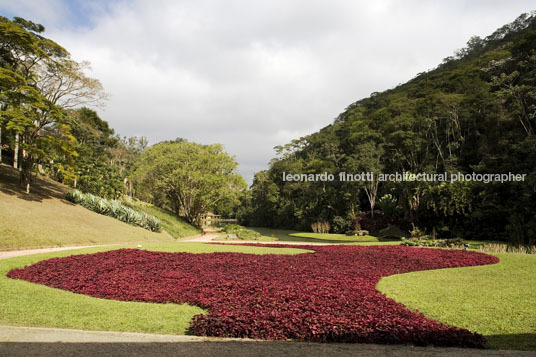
x=521, y=341
x=40, y=189
x=233, y=348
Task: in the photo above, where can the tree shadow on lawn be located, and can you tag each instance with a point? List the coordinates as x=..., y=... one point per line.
x=40, y=189
x=234, y=348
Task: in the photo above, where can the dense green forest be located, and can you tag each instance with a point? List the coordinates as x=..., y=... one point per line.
x=475, y=112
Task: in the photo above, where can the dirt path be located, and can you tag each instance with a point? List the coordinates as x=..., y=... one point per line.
x=199, y=238
x=202, y=238
x=210, y=237
x=18, y=253
x=31, y=341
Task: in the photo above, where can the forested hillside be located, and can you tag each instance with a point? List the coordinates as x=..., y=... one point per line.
x=475, y=112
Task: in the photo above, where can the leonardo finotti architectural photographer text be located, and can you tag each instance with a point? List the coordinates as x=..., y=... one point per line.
x=404, y=176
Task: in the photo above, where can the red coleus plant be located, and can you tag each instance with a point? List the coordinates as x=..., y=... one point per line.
x=326, y=296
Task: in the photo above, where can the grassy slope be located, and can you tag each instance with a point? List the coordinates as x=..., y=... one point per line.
x=171, y=223
x=43, y=218
x=27, y=304
x=496, y=301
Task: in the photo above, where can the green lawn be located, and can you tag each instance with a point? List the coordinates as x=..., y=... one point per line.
x=176, y=226
x=27, y=304
x=284, y=235
x=44, y=218
x=335, y=237
x=494, y=300
x=497, y=301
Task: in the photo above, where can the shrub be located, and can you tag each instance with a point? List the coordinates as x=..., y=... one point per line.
x=357, y=233
x=416, y=232
x=506, y=248
x=426, y=242
x=241, y=232
x=321, y=227
x=341, y=224
x=364, y=220
x=232, y=228
x=393, y=231
x=114, y=209
x=387, y=204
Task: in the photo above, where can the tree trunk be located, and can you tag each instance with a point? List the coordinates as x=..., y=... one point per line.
x=16, y=151
x=24, y=153
x=372, y=192
x=26, y=167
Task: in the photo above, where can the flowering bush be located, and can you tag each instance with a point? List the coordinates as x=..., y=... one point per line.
x=326, y=296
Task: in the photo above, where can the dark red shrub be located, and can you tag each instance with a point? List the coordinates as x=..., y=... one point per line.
x=326, y=296
x=373, y=223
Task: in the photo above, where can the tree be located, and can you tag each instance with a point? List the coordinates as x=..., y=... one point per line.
x=64, y=83
x=94, y=168
x=43, y=129
x=190, y=178
x=37, y=81
x=367, y=159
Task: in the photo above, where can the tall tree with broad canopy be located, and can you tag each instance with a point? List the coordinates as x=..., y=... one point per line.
x=188, y=177
x=37, y=80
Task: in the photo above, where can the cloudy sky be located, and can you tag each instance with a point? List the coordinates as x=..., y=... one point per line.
x=253, y=74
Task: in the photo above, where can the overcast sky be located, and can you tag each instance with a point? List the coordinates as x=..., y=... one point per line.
x=253, y=74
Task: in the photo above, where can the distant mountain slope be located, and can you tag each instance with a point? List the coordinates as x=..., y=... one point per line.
x=44, y=219
x=474, y=113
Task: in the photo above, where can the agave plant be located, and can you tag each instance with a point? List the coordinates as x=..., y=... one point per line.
x=114, y=209
x=74, y=196
x=151, y=223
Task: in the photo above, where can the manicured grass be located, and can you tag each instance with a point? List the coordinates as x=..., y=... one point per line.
x=496, y=301
x=285, y=235
x=223, y=237
x=335, y=237
x=176, y=226
x=27, y=304
x=45, y=219
x=328, y=296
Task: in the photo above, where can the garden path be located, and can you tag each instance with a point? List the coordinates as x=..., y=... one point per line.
x=27, y=341
x=18, y=253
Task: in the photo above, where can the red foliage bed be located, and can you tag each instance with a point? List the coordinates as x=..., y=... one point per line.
x=327, y=296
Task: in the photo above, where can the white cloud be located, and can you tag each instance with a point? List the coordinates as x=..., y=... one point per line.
x=255, y=74
x=51, y=11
